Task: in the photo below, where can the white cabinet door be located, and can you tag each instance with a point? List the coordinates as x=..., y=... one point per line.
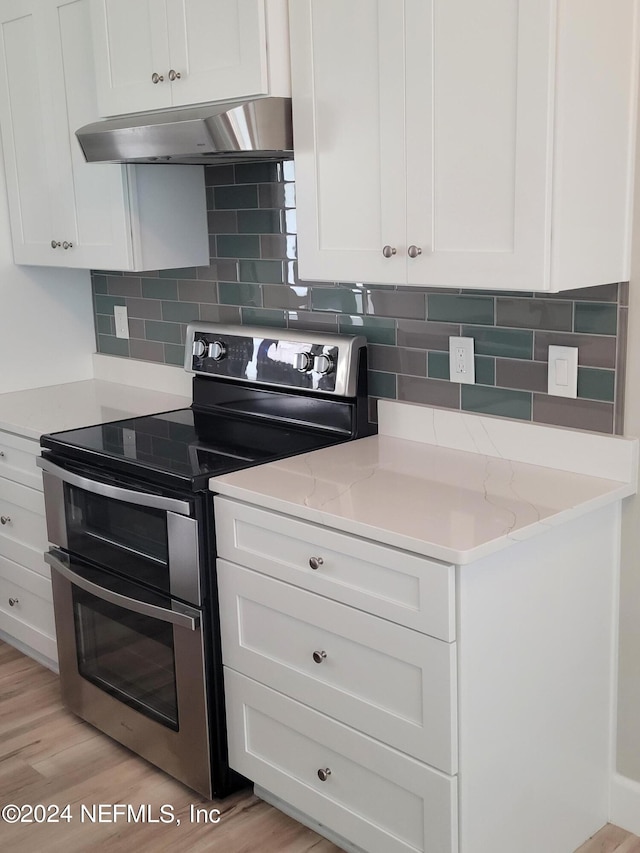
x=348, y=89
x=218, y=48
x=92, y=197
x=467, y=138
x=478, y=121
x=64, y=211
x=26, y=91
x=422, y=127
x=152, y=54
x=131, y=44
x=56, y=199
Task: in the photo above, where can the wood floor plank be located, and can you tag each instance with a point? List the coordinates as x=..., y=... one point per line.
x=49, y=756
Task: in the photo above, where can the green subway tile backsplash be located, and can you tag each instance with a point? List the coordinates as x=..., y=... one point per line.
x=180, y=312
x=375, y=330
x=496, y=401
x=596, y=384
x=174, y=354
x=232, y=293
x=438, y=365
x=340, y=300
x=596, y=318
x=506, y=343
x=382, y=384
x=257, y=173
x=252, y=279
x=168, y=333
x=104, y=304
x=259, y=222
x=267, y=272
x=238, y=246
x=450, y=308
x=264, y=317
x=238, y=197
x=155, y=288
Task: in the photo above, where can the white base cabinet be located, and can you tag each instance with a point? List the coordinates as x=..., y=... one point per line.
x=63, y=211
x=26, y=605
x=386, y=736
x=453, y=143
x=176, y=53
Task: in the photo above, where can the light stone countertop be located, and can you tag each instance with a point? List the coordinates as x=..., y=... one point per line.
x=441, y=483
x=71, y=405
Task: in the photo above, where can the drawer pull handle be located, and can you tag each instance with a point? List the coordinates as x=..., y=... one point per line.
x=13, y=602
x=319, y=656
x=4, y=519
x=323, y=774
x=316, y=562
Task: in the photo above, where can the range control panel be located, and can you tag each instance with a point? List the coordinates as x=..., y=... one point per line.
x=309, y=361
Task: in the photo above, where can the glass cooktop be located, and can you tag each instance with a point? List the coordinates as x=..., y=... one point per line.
x=184, y=448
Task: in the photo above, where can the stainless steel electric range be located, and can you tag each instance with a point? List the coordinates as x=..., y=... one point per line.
x=130, y=521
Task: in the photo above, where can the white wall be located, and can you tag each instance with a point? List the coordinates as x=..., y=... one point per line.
x=46, y=319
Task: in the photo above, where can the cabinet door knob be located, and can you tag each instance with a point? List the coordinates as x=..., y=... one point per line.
x=315, y=562
x=66, y=245
x=319, y=656
x=157, y=78
x=174, y=75
x=323, y=774
x=389, y=251
x=414, y=251
x=4, y=519
x=55, y=244
x=13, y=602
x=1, y=454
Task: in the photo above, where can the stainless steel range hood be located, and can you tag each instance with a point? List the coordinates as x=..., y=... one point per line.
x=253, y=130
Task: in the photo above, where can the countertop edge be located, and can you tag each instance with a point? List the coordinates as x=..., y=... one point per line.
x=411, y=544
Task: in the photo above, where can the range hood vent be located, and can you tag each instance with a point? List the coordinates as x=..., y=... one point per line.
x=214, y=133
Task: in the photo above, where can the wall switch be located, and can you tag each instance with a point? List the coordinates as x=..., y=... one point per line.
x=122, y=321
x=562, y=378
x=461, y=362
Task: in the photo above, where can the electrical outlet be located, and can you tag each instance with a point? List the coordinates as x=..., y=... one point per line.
x=122, y=321
x=461, y=361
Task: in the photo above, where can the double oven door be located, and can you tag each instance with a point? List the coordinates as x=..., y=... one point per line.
x=130, y=622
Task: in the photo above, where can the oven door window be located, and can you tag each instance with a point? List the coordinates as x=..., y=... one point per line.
x=127, y=655
x=126, y=538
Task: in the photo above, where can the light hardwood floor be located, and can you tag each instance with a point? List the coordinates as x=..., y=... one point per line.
x=49, y=756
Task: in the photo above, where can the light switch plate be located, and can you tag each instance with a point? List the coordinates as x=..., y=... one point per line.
x=562, y=376
x=122, y=321
x=461, y=361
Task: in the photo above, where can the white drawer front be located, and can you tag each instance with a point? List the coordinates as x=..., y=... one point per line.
x=18, y=460
x=391, y=682
x=23, y=535
x=403, y=588
x=26, y=607
x=375, y=797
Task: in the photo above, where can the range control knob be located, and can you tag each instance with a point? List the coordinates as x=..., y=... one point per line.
x=303, y=361
x=217, y=350
x=199, y=348
x=323, y=364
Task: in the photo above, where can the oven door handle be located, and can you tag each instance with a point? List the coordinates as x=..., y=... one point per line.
x=182, y=620
x=115, y=492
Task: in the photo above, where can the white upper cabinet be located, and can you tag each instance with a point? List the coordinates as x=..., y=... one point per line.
x=154, y=54
x=453, y=143
x=64, y=211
